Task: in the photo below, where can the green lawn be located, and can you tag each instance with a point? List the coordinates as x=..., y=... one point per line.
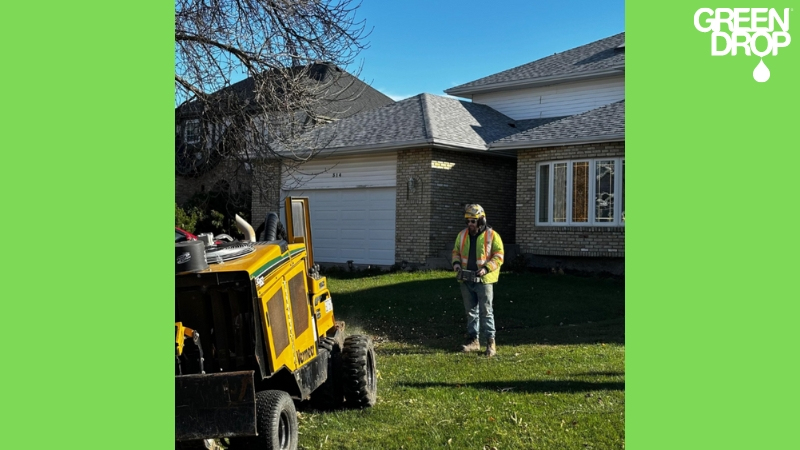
x=557, y=382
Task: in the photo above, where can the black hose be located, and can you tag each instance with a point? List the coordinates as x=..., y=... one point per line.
x=271, y=226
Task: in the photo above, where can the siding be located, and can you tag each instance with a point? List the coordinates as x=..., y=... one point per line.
x=556, y=100
x=343, y=172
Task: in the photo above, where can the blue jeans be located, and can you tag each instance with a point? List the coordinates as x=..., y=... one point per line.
x=478, y=304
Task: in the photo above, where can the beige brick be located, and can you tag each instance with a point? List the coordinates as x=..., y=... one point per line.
x=566, y=241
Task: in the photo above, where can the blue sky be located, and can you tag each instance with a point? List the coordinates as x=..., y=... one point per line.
x=429, y=46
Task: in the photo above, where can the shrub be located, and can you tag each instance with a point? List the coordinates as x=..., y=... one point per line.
x=214, y=211
x=188, y=219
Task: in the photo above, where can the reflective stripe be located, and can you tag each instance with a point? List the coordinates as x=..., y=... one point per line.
x=463, y=242
x=485, y=258
x=487, y=243
x=489, y=260
x=458, y=249
x=464, y=254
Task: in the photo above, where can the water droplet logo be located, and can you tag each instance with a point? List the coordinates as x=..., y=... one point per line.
x=752, y=31
x=761, y=72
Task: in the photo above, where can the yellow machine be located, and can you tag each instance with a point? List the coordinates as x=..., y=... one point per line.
x=254, y=331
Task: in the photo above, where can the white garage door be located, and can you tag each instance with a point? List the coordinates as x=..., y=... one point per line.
x=352, y=224
x=352, y=201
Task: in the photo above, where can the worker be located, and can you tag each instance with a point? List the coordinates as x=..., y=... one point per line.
x=477, y=257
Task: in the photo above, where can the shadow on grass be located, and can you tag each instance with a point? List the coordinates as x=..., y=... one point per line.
x=528, y=386
x=599, y=374
x=426, y=309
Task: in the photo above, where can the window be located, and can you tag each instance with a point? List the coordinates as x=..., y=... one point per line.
x=587, y=192
x=191, y=131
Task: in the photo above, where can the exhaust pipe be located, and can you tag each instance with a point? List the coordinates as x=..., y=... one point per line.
x=246, y=229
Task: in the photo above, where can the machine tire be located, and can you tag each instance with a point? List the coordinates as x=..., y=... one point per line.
x=358, y=371
x=276, y=423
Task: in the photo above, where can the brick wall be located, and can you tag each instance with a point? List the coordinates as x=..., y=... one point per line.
x=266, y=192
x=185, y=187
x=428, y=220
x=563, y=241
x=413, y=205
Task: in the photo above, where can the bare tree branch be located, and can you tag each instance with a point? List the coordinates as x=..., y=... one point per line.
x=189, y=87
x=253, y=75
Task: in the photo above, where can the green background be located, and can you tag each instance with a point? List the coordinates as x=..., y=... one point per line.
x=88, y=193
x=711, y=297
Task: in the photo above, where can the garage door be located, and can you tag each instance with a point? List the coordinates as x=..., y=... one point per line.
x=352, y=224
x=352, y=201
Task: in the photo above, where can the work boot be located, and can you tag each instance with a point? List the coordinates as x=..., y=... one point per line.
x=490, y=348
x=472, y=345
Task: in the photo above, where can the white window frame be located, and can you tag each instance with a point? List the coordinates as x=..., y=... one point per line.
x=619, y=201
x=188, y=124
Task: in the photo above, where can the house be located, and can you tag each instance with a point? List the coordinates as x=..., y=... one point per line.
x=201, y=140
x=540, y=146
x=392, y=182
x=570, y=202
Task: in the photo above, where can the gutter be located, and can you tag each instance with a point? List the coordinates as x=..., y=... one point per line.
x=555, y=142
x=467, y=92
x=439, y=144
x=372, y=148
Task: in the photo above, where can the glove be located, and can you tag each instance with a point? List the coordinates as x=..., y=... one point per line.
x=457, y=267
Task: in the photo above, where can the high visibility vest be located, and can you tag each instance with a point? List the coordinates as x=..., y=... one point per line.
x=488, y=254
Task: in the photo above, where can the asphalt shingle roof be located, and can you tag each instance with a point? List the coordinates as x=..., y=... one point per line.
x=428, y=119
x=421, y=119
x=596, y=56
x=606, y=121
x=341, y=93
x=464, y=122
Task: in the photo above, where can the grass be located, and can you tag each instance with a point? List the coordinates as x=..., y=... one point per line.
x=557, y=382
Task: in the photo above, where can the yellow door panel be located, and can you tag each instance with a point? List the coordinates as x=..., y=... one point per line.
x=302, y=325
x=276, y=327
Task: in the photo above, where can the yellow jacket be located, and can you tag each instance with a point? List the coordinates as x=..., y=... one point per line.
x=488, y=255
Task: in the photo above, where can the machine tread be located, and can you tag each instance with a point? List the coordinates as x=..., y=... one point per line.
x=272, y=408
x=359, y=371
